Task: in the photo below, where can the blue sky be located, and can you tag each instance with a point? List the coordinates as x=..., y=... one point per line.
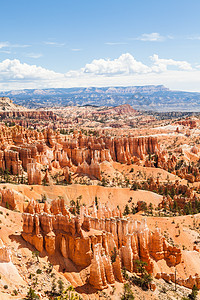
x=89, y=42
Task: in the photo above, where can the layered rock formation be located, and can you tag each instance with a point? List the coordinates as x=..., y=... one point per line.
x=121, y=149
x=188, y=282
x=21, y=149
x=190, y=173
x=9, y=160
x=95, y=237
x=161, y=160
x=188, y=122
x=31, y=114
x=93, y=170
x=8, y=198
x=34, y=173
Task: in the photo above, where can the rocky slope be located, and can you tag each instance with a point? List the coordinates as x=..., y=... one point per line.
x=6, y=104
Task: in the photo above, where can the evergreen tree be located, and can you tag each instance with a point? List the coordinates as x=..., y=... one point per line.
x=60, y=286
x=193, y=295
x=96, y=201
x=133, y=209
x=31, y=295
x=144, y=206
x=175, y=206
x=77, y=207
x=151, y=208
x=126, y=210
x=114, y=255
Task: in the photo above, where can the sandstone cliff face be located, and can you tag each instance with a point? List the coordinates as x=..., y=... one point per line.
x=8, y=198
x=162, y=161
x=97, y=271
x=11, y=162
x=94, y=237
x=34, y=173
x=23, y=149
x=93, y=170
x=108, y=148
x=12, y=199
x=38, y=115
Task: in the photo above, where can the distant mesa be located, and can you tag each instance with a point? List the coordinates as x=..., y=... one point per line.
x=149, y=97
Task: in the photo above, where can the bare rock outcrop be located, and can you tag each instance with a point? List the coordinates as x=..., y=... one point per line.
x=188, y=282
x=5, y=253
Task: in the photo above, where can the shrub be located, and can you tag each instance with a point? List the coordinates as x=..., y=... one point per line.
x=50, y=268
x=114, y=255
x=44, y=198
x=53, y=287
x=124, y=273
x=31, y=295
x=127, y=292
x=60, y=286
x=35, y=254
x=15, y=292
x=134, y=186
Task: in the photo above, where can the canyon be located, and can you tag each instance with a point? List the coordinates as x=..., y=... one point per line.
x=95, y=194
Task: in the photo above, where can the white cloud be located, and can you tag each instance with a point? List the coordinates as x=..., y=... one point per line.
x=122, y=71
x=4, y=45
x=34, y=55
x=151, y=37
x=10, y=45
x=194, y=37
x=160, y=64
x=115, y=43
x=125, y=64
x=54, y=44
x=5, y=51
x=15, y=70
x=18, y=46
x=76, y=49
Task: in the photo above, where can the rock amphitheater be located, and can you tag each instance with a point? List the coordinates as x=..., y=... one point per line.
x=94, y=204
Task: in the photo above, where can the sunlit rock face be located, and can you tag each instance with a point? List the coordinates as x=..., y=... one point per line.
x=100, y=238
x=28, y=150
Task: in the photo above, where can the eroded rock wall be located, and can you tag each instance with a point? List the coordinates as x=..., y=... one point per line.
x=100, y=238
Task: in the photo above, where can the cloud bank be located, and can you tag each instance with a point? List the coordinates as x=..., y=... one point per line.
x=126, y=64
x=122, y=71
